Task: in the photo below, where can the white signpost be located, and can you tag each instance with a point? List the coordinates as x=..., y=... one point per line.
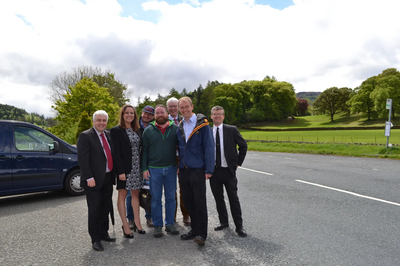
x=388, y=124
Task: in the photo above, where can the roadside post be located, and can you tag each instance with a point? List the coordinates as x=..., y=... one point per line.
x=388, y=124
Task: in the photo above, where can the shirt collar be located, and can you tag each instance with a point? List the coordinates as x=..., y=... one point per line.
x=192, y=119
x=220, y=126
x=97, y=132
x=172, y=118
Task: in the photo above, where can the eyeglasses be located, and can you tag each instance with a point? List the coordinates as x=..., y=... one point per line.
x=218, y=114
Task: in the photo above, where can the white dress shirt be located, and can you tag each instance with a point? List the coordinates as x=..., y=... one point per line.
x=221, y=141
x=101, y=142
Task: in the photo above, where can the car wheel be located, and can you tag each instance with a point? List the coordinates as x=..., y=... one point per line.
x=72, y=183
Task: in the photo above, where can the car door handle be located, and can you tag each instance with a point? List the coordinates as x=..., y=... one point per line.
x=19, y=157
x=3, y=157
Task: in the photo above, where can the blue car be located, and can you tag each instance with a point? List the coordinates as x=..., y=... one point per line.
x=33, y=160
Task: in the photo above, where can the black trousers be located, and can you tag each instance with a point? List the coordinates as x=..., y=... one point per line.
x=99, y=201
x=193, y=188
x=224, y=177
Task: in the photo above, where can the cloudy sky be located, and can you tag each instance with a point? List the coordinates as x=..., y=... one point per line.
x=154, y=46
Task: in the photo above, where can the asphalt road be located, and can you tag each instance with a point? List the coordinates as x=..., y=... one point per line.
x=297, y=209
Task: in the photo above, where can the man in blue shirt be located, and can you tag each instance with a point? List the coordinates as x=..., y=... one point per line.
x=196, y=165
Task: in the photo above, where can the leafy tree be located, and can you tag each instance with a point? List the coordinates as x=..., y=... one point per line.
x=245, y=89
x=196, y=97
x=268, y=77
x=207, y=98
x=87, y=96
x=84, y=123
x=184, y=92
x=361, y=100
x=274, y=100
x=387, y=87
x=230, y=98
x=115, y=88
x=230, y=105
x=333, y=100
x=174, y=93
x=302, y=106
x=62, y=83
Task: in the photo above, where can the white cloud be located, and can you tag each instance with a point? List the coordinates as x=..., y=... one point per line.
x=314, y=44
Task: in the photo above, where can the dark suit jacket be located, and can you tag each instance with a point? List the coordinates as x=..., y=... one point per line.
x=232, y=139
x=122, y=150
x=91, y=157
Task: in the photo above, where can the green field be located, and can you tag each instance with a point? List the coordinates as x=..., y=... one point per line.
x=332, y=142
x=341, y=120
x=327, y=149
x=374, y=136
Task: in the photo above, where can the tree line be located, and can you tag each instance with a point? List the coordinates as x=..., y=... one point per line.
x=369, y=98
x=9, y=112
x=77, y=94
x=246, y=101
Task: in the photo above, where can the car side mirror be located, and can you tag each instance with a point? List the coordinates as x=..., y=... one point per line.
x=56, y=147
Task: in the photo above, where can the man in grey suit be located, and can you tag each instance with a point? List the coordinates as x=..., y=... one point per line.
x=227, y=159
x=96, y=164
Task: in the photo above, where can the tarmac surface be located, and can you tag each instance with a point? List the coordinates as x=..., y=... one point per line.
x=297, y=209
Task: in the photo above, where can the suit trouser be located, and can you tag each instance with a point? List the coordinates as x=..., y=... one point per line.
x=99, y=201
x=193, y=185
x=224, y=177
x=184, y=211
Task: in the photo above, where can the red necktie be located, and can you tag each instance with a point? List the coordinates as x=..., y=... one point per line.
x=176, y=121
x=108, y=152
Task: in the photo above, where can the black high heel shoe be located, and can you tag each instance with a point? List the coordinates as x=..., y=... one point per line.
x=125, y=234
x=142, y=232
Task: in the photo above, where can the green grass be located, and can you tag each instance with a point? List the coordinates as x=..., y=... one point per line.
x=333, y=142
x=327, y=149
x=374, y=136
x=341, y=120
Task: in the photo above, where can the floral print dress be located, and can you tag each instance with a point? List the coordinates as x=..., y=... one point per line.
x=134, y=179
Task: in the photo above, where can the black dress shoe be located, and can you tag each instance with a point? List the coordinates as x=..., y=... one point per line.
x=200, y=240
x=220, y=227
x=241, y=232
x=98, y=246
x=108, y=238
x=188, y=236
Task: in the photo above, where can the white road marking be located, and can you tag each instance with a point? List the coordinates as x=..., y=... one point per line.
x=348, y=192
x=287, y=158
x=264, y=173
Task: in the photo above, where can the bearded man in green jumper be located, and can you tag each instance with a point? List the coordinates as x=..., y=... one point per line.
x=159, y=166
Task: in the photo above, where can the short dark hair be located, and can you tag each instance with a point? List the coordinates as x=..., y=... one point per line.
x=163, y=106
x=217, y=108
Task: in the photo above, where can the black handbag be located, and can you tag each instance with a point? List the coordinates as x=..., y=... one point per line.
x=145, y=199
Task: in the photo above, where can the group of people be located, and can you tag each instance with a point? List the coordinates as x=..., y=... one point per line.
x=153, y=150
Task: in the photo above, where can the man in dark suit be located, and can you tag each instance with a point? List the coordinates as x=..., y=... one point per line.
x=96, y=164
x=227, y=159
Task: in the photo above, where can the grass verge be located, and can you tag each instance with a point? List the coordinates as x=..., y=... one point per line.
x=327, y=149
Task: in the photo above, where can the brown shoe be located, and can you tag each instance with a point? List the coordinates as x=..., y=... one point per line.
x=186, y=221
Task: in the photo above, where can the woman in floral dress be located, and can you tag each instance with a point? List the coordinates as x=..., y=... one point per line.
x=127, y=157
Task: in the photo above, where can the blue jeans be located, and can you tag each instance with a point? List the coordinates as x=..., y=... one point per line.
x=159, y=178
x=129, y=210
